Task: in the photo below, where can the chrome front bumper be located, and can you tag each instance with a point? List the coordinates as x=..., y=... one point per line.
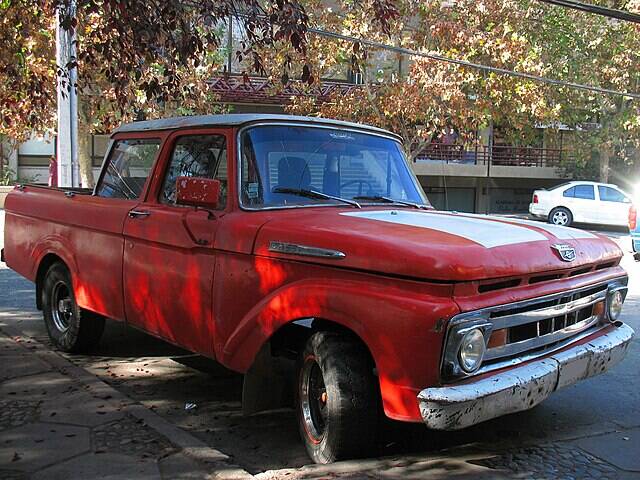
x=520, y=388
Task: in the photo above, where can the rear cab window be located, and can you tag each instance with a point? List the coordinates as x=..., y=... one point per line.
x=128, y=167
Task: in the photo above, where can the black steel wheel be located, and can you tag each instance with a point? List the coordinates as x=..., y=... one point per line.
x=338, y=398
x=70, y=328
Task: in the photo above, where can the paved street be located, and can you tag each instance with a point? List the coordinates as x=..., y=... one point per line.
x=145, y=409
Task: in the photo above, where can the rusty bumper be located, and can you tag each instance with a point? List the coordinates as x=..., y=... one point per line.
x=459, y=406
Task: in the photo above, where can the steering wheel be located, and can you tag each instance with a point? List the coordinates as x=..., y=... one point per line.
x=360, y=183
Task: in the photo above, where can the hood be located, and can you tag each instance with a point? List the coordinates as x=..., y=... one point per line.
x=430, y=245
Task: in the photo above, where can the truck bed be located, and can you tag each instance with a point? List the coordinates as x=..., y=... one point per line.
x=81, y=229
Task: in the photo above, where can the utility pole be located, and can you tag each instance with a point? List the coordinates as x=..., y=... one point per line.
x=67, y=139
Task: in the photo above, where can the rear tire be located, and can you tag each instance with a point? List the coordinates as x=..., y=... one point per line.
x=70, y=328
x=337, y=398
x=560, y=216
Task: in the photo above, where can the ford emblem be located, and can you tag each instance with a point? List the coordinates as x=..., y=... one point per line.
x=566, y=252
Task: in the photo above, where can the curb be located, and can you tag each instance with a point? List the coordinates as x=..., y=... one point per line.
x=196, y=449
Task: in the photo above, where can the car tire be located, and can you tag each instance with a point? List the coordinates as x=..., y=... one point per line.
x=337, y=398
x=560, y=216
x=70, y=328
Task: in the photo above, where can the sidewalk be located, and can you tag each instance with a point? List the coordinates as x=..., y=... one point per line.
x=59, y=422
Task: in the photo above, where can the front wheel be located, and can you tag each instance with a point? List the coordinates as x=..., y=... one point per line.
x=337, y=399
x=70, y=328
x=560, y=216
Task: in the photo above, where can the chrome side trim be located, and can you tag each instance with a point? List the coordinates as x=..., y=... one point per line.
x=458, y=406
x=294, y=249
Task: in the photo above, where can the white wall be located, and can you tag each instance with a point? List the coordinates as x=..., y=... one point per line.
x=38, y=146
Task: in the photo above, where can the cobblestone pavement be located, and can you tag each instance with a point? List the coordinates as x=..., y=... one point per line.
x=120, y=413
x=58, y=422
x=556, y=461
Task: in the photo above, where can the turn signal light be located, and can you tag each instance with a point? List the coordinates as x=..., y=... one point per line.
x=498, y=338
x=633, y=217
x=598, y=309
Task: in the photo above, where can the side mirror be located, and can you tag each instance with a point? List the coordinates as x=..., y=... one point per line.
x=198, y=192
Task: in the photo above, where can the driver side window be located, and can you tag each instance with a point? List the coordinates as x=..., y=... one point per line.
x=197, y=156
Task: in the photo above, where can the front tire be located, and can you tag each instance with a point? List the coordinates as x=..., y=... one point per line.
x=337, y=398
x=70, y=328
x=560, y=216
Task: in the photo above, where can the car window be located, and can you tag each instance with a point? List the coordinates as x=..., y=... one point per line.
x=197, y=156
x=608, y=194
x=570, y=192
x=130, y=162
x=585, y=192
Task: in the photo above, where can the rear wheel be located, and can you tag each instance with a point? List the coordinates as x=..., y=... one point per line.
x=560, y=216
x=70, y=328
x=337, y=400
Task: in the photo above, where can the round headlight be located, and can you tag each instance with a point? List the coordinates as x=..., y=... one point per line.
x=471, y=350
x=615, y=305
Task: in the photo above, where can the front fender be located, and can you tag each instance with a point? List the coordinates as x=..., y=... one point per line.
x=399, y=321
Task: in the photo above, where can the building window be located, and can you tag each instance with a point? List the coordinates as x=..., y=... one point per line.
x=34, y=160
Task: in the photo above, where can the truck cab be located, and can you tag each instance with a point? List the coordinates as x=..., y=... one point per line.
x=303, y=253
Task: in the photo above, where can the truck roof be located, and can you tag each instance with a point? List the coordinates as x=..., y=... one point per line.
x=236, y=119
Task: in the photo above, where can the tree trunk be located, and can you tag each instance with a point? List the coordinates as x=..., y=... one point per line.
x=84, y=158
x=606, y=152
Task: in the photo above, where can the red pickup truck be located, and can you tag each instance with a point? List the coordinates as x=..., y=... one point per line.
x=266, y=242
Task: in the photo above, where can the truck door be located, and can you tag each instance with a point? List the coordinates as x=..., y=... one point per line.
x=169, y=258
x=98, y=238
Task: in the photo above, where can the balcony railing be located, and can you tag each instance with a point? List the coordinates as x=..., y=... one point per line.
x=239, y=89
x=500, y=155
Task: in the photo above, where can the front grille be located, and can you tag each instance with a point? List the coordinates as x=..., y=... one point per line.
x=539, y=324
x=527, y=329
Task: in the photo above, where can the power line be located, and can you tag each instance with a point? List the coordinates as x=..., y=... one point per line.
x=477, y=66
x=596, y=9
x=464, y=63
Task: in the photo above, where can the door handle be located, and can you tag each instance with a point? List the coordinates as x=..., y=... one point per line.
x=138, y=214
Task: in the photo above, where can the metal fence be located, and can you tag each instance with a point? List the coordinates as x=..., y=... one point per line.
x=503, y=155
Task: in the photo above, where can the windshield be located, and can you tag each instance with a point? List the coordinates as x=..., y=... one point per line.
x=282, y=164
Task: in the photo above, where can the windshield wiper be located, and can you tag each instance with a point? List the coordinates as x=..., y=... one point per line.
x=314, y=194
x=380, y=198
